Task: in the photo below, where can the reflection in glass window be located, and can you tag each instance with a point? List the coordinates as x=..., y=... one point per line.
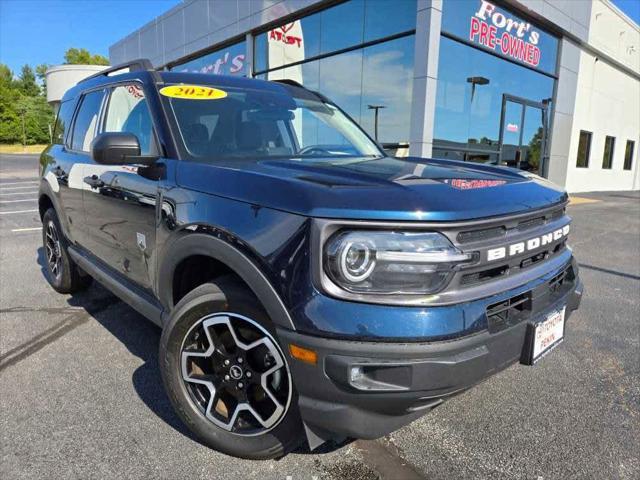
x=383, y=18
x=628, y=154
x=62, y=122
x=382, y=62
x=289, y=43
x=584, y=149
x=471, y=85
x=343, y=26
x=285, y=123
x=357, y=79
x=607, y=157
x=84, y=128
x=128, y=112
x=226, y=61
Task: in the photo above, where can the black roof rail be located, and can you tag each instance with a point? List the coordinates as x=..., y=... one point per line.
x=140, y=64
x=287, y=81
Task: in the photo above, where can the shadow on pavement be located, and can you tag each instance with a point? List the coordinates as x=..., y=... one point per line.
x=142, y=338
x=138, y=335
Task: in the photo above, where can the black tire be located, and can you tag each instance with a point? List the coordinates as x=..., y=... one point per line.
x=65, y=276
x=230, y=295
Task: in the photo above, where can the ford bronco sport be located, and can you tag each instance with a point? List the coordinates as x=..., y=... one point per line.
x=308, y=285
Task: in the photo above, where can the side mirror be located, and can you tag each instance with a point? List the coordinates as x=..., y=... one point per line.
x=118, y=148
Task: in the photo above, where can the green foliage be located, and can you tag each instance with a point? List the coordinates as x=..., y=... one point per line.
x=27, y=82
x=25, y=115
x=82, y=56
x=41, y=71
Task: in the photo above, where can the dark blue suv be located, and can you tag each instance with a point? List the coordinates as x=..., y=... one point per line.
x=307, y=284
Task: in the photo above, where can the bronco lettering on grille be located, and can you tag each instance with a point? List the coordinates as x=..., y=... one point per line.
x=527, y=245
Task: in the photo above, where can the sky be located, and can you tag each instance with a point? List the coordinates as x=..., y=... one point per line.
x=40, y=31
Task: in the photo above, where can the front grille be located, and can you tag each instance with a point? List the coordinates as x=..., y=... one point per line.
x=531, y=223
x=482, y=234
x=506, y=313
x=484, y=275
x=501, y=234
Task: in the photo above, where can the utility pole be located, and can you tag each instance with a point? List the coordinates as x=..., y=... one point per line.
x=24, y=130
x=375, y=108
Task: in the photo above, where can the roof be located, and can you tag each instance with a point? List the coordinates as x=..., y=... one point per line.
x=161, y=77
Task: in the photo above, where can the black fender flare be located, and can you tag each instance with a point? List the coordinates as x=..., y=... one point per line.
x=208, y=245
x=45, y=190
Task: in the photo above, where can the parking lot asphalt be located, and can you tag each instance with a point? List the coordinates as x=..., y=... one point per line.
x=81, y=395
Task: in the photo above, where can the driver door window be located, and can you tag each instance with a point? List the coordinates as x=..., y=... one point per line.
x=128, y=112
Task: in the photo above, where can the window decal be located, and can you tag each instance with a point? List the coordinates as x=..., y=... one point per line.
x=193, y=92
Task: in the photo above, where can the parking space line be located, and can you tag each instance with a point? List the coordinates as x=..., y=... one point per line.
x=17, y=193
x=30, y=229
x=24, y=187
x=16, y=201
x=18, y=183
x=18, y=211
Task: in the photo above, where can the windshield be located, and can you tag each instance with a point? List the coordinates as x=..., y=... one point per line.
x=258, y=124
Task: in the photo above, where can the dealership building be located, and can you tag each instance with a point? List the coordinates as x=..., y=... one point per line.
x=552, y=87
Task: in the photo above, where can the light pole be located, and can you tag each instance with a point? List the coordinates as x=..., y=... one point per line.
x=375, y=108
x=476, y=81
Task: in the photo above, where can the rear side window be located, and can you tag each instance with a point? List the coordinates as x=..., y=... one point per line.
x=128, y=112
x=84, y=128
x=63, y=122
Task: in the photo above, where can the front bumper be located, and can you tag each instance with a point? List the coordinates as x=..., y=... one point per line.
x=397, y=382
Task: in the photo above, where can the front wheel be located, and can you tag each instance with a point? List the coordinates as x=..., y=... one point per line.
x=226, y=375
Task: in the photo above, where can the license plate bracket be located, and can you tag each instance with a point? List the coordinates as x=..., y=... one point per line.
x=543, y=336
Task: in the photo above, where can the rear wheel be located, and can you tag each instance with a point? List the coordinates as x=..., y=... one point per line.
x=61, y=271
x=226, y=375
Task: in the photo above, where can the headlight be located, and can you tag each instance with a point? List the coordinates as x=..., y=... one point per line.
x=387, y=262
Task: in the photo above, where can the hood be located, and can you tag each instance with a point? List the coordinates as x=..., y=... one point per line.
x=411, y=189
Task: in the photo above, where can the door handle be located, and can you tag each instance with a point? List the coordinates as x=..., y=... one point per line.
x=94, y=181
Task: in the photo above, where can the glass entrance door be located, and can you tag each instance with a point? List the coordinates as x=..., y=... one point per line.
x=523, y=134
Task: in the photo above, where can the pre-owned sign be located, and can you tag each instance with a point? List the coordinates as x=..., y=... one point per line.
x=513, y=37
x=494, y=28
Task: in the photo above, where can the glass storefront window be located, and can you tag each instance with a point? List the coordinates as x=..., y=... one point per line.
x=498, y=30
x=472, y=88
x=225, y=61
x=357, y=79
x=289, y=43
x=343, y=26
x=383, y=18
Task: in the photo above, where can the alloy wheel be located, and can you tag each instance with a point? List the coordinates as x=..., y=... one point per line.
x=236, y=374
x=53, y=249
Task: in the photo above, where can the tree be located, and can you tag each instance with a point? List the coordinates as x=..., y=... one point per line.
x=27, y=82
x=6, y=75
x=41, y=73
x=82, y=56
x=25, y=115
x=535, y=146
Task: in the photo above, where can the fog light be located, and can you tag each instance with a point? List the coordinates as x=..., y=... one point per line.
x=380, y=378
x=357, y=375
